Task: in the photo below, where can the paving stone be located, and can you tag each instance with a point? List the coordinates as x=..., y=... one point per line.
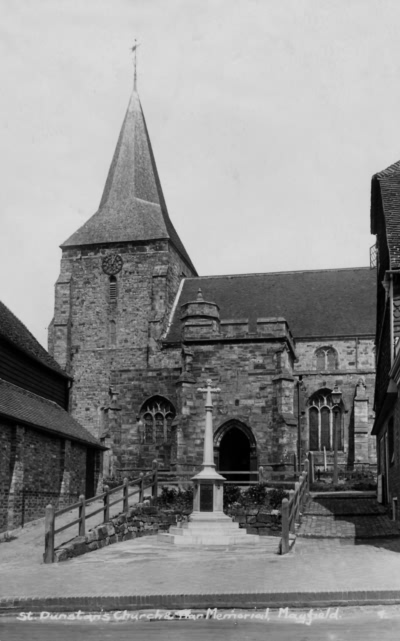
x=346, y=517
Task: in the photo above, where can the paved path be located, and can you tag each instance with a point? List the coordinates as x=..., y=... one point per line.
x=145, y=573
x=318, y=571
x=353, y=518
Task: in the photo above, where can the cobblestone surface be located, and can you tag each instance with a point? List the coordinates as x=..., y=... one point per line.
x=320, y=506
x=346, y=518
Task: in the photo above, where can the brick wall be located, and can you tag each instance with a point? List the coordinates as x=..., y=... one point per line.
x=33, y=466
x=6, y=464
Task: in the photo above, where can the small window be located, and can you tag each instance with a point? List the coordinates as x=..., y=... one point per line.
x=326, y=359
x=113, y=289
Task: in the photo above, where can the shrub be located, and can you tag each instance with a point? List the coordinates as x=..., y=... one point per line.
x=232, y=494
x=168, y=495
x=255, y=494
x=181, y=499
x=276, y=496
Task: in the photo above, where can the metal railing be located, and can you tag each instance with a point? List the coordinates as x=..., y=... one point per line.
x=292, y=506
x=142, y=483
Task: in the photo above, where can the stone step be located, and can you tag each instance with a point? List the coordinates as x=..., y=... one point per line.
x=209, y=539
x=206, y=530
x=200, y=525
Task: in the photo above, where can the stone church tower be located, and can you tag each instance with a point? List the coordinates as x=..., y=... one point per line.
x=120, y=273
x=139, y=331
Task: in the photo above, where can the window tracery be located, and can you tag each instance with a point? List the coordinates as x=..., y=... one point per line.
x=326, y=358
x=157, y=414
x=324, y=418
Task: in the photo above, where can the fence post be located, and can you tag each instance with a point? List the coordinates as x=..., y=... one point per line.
x=294, y=462
x=48, y=556
x=126, y=489
x=291, y=502
x=82, y=510
x=285, y=527
x=154, y=489
x=106, y=511
x=311, y=469
x=261, y=474
x=141, y=488
x=297, y=501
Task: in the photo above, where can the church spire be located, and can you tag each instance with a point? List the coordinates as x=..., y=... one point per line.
x=132, y=207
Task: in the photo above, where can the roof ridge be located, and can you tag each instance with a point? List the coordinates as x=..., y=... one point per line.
x=22, y=390
x=62, y=423
x=43, y=357
x=299, y=271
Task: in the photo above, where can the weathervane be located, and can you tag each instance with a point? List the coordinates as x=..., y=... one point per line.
x=134, y=52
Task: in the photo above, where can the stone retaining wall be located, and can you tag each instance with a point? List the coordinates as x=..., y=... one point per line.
x=138, y=521
x=145, y=520
x=257, y=520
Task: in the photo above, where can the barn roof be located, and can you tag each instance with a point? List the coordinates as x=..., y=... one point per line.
x=25, y=407
x=14, y=331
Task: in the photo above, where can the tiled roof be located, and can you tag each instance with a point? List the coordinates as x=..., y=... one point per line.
x=132, y=207
x=332, y=302
x=21, y=405
x=386, y=186
x=15, y=332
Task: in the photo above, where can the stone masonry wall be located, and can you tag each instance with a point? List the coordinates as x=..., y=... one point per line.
x=105, y=342
x=246, y=372
x=355, y=362
x=149, y=521
x=137, y=522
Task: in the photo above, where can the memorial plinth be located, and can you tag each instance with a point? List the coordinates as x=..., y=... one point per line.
x=208, y=525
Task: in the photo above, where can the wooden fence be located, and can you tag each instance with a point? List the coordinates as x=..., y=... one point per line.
x=265, y=473
x=142, y=483
x=292, y=506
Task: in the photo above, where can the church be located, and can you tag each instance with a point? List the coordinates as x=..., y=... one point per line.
x=139, y=332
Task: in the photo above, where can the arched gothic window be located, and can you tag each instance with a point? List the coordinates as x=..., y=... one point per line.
x=326, y=358
x=157, y=414
x=324, y=418
x=113, y=289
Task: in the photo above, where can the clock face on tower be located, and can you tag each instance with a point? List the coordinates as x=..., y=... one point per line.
x=112, y=264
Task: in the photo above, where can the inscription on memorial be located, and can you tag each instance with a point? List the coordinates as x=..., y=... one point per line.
x=206, y=497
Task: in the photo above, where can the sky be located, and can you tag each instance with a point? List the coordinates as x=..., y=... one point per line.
x=267, y=119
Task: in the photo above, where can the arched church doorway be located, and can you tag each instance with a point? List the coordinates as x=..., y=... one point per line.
x=235, y=450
